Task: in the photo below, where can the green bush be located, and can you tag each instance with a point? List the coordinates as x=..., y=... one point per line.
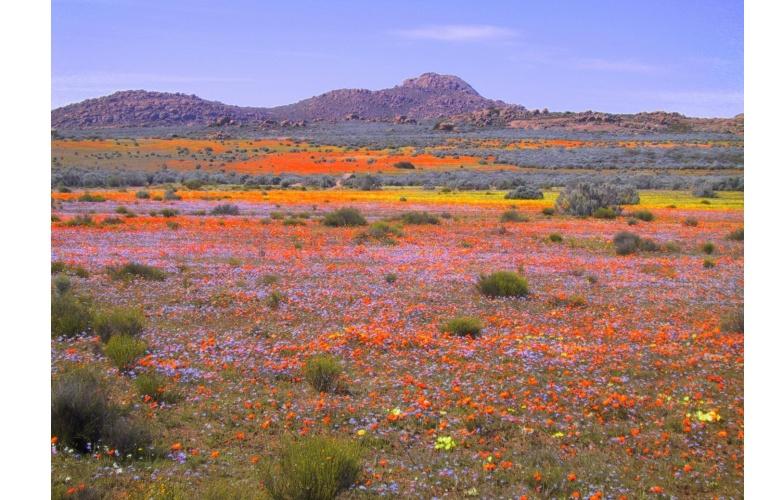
x=556, y=238
x=632, y=221
x=169, y=212
x=118, y=321
x=135, y=270
x=80, y=221
x=626, y=243
x=314, y=468
x=733, y=322
x=130, y=436
x=513, y=216
x=604, y=213
x=344, y=217
x=274, y=299
x=463, y=326
x=390, y=278
x=142, y=195
x=644, y=215
x=70, y=315
x=709, y=263
x=691, y=222
x=111, y=221
x=584, y=199
x=62, y=284
x=524, y=192
x=736, y=235
x=406, y=165
x=419, y=218
x=79, y=409
x=123, y=350
x=323, y=372
x=170, y=195
x=502, y=284
x=379, y=231
x=226, y=209
x=708, y=248
x=548, y=211
x=89, y=198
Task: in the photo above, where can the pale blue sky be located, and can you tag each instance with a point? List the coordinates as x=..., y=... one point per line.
x=616, y=56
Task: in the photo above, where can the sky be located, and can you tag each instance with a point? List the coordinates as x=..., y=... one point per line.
x=619, y=56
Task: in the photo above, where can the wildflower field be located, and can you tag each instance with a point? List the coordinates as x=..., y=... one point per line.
x=223, y=328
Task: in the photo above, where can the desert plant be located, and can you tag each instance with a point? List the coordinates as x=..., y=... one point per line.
x=644, y=215
x=226, y=209
x=314, y=468
x=736, y=235
x=525, y=192
x=62, y=284
x=79, y=221
x=704, y=191
x=405, y=165
x=169, y=212
x=322, y=372
x=604, y=213
x=79, y=409
x=135, y=270
x=583, y=199
x=708, y=263
x=513, y=216
x=380, y=231
x=274, y=299
x=708, y=248
x=463, y=326
x=118, y=321
x=70, y=315
x=691, y=222
x=123, y=350
x=733, y=322
x=344, y=217
x=556, y=238
x=90, y=198
x=419, y=218
x=502, y=284
x=142, y=195
x=548, y=211
x=626, y=243
x=129, y=435
x=170, y=195
x=390, y=278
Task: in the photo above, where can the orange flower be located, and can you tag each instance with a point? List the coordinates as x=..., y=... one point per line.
x=176, y=447
x=572, y=477
x=537, y=476
x=657, y=490
x=215, y=454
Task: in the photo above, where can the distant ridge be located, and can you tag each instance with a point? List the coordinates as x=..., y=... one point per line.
x=432, y=97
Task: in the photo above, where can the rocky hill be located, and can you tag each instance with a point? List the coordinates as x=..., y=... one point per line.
x=445, y=99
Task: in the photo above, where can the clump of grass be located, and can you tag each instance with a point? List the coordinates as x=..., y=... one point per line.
x=111, y=221
x=274, y=299
x=169, y=212
x=708, y=248
x=130, y=436
x=626, y=243
x=142, y=194
x=63, y=267
x=62, y=284
x=632, y=221
x=170, y=195
x=548, y=211
x=314, y=468
x=118, y=321
x=709, y=263
x=644, y=215
x=270, y=279
x=225, y=209
x=604, y=213
x=390, y=278
x=733, y=322
x=736, y=235
x=419, y=218
x=155, y=386
x=513, y=216
x=135, y=270
x=124, y=350
x=344, y=217
x=463, y=326
x=80, y=221
x=122, y=210
x=503, y=284
x=556, y=238
x=379, y=231
x=90, y=198
x=173, y=225
x=691, y=222
x=323, y=372
x=70, y=315
x=567, y=301
x=79, y=409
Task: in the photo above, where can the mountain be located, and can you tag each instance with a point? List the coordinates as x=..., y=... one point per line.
x=445, y=99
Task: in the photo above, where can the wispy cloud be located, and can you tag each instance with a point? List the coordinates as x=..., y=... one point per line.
x=457, y=32
x=620, y=66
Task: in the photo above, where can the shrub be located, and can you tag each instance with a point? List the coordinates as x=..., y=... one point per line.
x=79, y=409
x=733, y=322
x=123, y=350
x=61, y=284
x=736, y=235
x=648, y=245
x=704, y=191
x=170, y=195
x=380, y=231
x=604, y=213
x=390, y=278
x=548, y=211
x=70, y=315
x=644, y=215
x=111, y=221
x=142, y=195
x=567, y=301
x=406, y=165
x=583, y=199
x=169, y=212
x=419, y=218
x=555, y=238
x=626, y=243
x=463, y=326
x=503, y=284
x=525, y=192
x=322, y=372
x=154, y=385
x=274, y=299
x=226, y=209
x=135, y=270
x=80, y=220
x=88, y=197
x=122, y=210
x=513, y=216
x=128, y=435
x=708, y=248
x=632, y=221
x=344, y=217
x=118, y=321
x=709, y=263
x=314, y=468
x=691, y=222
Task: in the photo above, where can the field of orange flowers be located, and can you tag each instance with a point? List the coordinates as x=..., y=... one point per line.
x=612, y=379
